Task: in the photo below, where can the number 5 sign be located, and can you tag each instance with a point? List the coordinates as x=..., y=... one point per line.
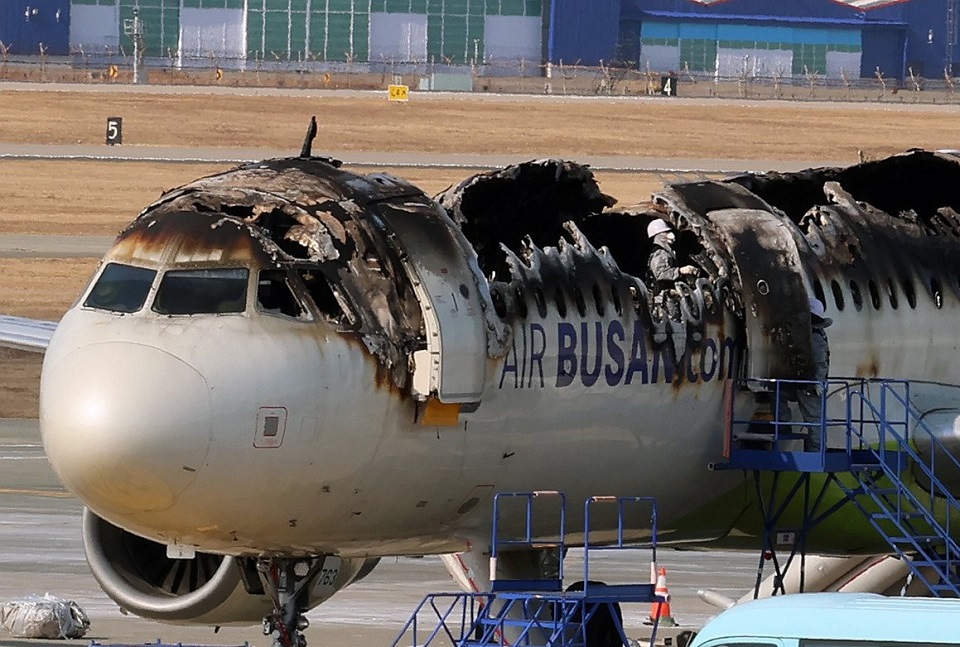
x=398, y=93
x=114, y=130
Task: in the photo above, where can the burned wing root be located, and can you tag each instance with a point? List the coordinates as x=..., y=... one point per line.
x=547, y=240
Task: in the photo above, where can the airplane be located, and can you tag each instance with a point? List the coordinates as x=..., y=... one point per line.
x=284, y=371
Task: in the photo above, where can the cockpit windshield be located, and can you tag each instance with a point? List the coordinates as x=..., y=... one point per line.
x=121, y=288
x=202, y=291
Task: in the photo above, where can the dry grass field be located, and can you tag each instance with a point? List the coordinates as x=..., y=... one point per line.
x=98, y=198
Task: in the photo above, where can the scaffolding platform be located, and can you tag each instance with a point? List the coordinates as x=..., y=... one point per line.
x=539, y=612
x=878, y=467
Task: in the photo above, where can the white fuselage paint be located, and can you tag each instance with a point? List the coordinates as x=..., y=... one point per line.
x=152, y=420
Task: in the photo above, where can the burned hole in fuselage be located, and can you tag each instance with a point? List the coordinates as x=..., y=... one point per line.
x=914, y=187
x=275, y=296
x=531, y=200
x=323, y=296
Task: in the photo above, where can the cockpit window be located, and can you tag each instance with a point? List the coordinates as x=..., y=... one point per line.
x=207, y=291
x=121, y=288
x=275, y=296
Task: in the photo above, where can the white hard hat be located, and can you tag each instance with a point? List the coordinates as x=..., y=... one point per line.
x=657, y=226
x=819, y=312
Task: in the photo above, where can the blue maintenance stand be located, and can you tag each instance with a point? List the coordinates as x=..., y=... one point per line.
x=878, y=468
x=539, y=612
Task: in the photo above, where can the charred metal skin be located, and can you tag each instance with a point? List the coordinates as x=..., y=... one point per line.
x=288, y=361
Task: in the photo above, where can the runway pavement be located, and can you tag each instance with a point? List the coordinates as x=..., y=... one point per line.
x=626, y=164
x=41, y=551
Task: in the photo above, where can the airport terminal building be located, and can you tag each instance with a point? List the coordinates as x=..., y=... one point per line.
x=727, y=38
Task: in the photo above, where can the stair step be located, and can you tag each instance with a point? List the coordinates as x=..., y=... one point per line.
x=917, y=539
x=898, y=515
x=882, y=491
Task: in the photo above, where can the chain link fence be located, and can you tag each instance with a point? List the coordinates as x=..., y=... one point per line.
x=518, y=76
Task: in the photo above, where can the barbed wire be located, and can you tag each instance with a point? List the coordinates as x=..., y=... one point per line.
x=750, y=79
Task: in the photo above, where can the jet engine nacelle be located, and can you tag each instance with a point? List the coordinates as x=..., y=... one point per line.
x=207, y=589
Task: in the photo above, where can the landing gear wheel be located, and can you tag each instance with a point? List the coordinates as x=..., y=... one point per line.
x=287, y=580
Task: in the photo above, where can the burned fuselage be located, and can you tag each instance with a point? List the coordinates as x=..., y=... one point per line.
x=390, y=360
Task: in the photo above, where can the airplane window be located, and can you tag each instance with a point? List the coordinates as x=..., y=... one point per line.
x=274, y=295
x=874, y=294
x=121, y=288
x=910, y=292
x=936, y=291
x=319, y=289
x=598, y=299
x=857, y=296
x=818, y=291
x=892, y=293
x=207, y=291
x=617, y=305
x=541, y=301
x=837, y=294
x=579, y=300
x=561, y=302
x=521, y=303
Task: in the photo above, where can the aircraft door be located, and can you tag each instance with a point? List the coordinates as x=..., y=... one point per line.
x=442, y=268
x=776, y=308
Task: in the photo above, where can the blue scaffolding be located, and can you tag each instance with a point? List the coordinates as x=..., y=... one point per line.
x=538, y=612
x=879, y=468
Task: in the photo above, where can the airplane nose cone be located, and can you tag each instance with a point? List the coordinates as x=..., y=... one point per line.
x=126, y=426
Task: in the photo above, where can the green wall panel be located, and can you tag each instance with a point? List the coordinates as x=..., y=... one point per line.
x=276, y=33
x=338, y=37
x=254, y=34
x=298, y=36
x=318, y=33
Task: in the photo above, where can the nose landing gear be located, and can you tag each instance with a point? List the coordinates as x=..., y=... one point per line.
x=287, y=580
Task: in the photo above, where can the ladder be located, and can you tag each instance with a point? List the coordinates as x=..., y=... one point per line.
x=879, y=469
x=538, y=612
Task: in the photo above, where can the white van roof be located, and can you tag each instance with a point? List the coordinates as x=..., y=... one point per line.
x=839, y=616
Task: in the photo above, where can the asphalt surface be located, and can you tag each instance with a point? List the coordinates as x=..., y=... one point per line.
x=41, y=551
x=627, y=164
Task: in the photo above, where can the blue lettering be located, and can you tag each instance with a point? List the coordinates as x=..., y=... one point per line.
x=728, y=351
x=708, y=345
x=615, y=352
x=537, y=350
x=590, y=378
x=523, y=366
x=665, y=353
x=566, y=353
x=508, y=365
x=638, y=354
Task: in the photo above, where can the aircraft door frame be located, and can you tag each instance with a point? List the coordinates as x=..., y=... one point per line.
x=443, y=270
x=775, y=296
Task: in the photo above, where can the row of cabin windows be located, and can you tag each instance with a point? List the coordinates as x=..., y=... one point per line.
x=889, y=288
x=559, y=298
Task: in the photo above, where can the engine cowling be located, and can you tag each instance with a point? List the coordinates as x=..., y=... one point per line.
x=207, y=589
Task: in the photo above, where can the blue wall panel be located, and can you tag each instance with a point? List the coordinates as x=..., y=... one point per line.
x=891, y=37
x=584, y=31
x=24, y=24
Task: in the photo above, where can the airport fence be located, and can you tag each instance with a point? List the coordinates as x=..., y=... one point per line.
x=494, y=76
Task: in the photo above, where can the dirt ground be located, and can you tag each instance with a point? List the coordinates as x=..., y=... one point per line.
x=98, y=198
x=484, y=125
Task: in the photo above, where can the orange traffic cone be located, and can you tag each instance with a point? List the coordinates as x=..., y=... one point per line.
x=660, y=609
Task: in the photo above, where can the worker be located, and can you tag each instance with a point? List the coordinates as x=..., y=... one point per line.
x=810, y=398
x=663, y=260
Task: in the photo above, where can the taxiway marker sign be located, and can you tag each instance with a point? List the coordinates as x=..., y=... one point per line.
x=398, y=93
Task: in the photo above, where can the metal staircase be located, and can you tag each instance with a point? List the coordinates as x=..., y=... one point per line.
x=893, y=483
x=538, y=612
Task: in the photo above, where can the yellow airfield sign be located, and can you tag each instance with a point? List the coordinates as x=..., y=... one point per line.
x=398, y=93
